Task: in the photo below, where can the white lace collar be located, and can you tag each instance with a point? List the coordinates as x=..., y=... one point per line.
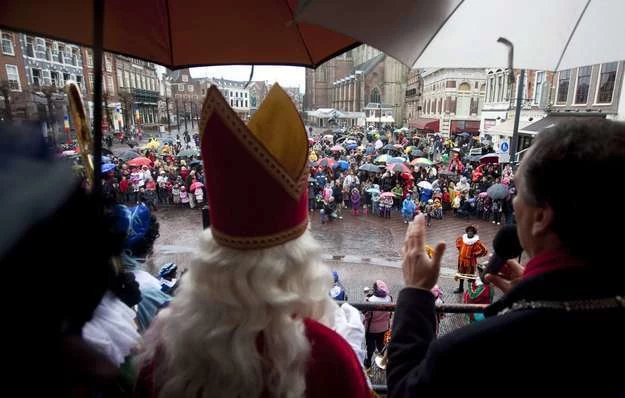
x=469, y=241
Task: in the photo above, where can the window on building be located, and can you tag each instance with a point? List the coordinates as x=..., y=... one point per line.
x=491, y=89
x=203, y=91
x=231, y=102
x=185, y=78
x=91, y=81
x=464, y=87
x=607, y=77
x=499, y=88
x=246, y=103
x=451, y=84
x=538, y=88
x=79, y=81
x=66, y=77
x=13, y=77
x=89, y=58
x=47, y=78
x=375, y=96
x=7, y=44
x=583, y=84
x=35, y=76
x=110, y=85
x=56, y=78
x=245, y=95
x=181, y=87
x=40, y=48
x=563, y=86
x=190, y=88
x=476, y=85
x=108, y=63
x=126, y=79
x=120, y=78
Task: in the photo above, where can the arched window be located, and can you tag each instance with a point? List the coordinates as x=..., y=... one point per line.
x=464, y=87
x=375, y=96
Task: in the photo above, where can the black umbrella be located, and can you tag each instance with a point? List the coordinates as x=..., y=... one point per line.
x=417, y=152
x=389, y=147
x=127, y=155
x=195, y=162
x=497, y=191
x=370, y=168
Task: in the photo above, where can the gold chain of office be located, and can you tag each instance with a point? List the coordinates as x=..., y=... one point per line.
x=569, y=306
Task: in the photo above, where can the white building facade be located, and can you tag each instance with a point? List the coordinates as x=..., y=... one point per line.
x=454, y=97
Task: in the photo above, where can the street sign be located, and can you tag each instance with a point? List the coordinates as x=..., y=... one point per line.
x=504, y=146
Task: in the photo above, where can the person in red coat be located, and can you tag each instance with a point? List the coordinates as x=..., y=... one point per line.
x=253, y=316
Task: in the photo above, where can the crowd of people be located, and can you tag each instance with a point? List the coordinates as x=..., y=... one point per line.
x=376, y=175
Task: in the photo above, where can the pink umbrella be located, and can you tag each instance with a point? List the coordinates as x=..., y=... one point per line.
x=337, y=148
x=387, y=194
x=140, y=161
x=195, y=185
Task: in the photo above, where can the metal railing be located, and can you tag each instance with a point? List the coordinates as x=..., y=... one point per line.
x=440, y=308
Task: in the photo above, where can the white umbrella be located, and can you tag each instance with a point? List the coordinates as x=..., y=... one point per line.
x=546, y=34
x=425, y=185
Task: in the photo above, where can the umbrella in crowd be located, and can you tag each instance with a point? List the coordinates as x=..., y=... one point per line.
x=416, y=152
x=140, y=161
x=374, y=189
x=489, y=158
x=447, y=173
x=464, y=134
x=195, y=186
x=407, y=176
x=313, y=164
x=168, y=140
x=422, y=162
x=127, y=155
x=106, y=167
x=425, y=185
x=398, y=168
x=483, y=194
x=396, y=160
x=399, y=147
x=497, y=191
x=389, y=147
x=382, y=159
x=342, y=164
x=195, y=162
x=337, y=148
x=187, y=153
x=327, y=162
x=387, y=194
x=370, y=167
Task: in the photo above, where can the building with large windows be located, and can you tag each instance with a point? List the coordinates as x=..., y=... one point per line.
x=452, y=100
x=500, y=104
x=139, y=91
x=113, y=118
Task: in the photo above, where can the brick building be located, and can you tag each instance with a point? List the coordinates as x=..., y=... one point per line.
x=14, y=89
x=113, y=119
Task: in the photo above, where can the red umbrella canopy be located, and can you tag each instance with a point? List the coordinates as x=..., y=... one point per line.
x=140, y=161
x=327, y=162
x=183, y=33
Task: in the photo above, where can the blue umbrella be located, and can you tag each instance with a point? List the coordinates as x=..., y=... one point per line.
x=106, y=167
x=396, y=160
x=106, y=159
x=351, y=146
x=342, y=164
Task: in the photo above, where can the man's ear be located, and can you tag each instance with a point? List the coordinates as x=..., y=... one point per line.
x=542, y=220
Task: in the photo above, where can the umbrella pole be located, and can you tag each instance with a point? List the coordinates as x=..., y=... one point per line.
x=98, y=28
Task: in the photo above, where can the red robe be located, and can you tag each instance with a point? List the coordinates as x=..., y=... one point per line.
x=467, y=257
x=333, y=371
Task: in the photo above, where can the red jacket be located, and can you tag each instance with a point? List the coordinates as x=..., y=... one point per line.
x=123, y=186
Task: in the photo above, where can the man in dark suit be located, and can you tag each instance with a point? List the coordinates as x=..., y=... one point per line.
x=561, y=322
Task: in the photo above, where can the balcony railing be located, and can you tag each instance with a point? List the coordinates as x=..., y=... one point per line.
x=440, y=308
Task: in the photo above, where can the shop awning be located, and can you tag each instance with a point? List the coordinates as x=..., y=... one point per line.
x=432, y=125
x=555, y=118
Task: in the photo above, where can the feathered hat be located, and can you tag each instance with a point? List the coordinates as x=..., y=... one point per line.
x=255, y=175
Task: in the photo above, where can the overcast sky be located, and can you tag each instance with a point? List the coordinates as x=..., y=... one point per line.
x=287, y=76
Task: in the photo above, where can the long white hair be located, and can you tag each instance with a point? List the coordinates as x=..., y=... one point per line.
x=236, y=328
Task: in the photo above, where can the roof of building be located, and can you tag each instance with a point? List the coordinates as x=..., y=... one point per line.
x=367, y=66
